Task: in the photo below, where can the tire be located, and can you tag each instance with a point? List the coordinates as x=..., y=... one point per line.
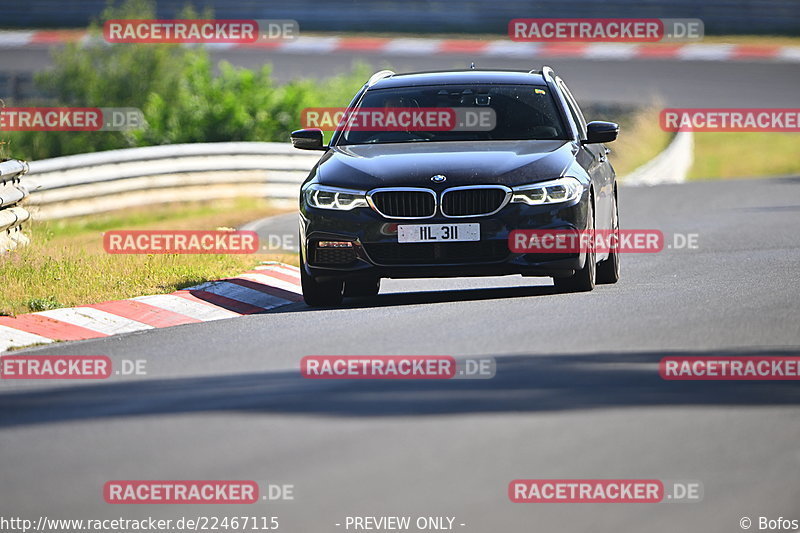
x=362, y=287
x=584, y=279
x=320, y=294
x=608, y=270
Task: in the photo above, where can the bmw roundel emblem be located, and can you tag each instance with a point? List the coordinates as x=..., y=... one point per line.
x=438, y=178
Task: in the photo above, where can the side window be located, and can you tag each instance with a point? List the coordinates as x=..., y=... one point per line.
x=574, y=110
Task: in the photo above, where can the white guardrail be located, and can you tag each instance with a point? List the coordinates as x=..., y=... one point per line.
x=87, y=184
x=672, y=165
x=12, y=215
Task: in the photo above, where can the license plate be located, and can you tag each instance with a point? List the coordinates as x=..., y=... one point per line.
x=438, y=232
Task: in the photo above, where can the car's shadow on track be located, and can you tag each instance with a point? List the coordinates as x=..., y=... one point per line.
x=523, y=383
x=431, y=297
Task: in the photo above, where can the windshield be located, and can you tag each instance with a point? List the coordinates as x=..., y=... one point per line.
x=454, y=113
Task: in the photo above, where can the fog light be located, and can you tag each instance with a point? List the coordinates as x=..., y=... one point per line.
x=334, y=244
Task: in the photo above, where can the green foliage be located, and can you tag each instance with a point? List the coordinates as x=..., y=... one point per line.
x=183, y=97
x=43, y=304
x=237, y=104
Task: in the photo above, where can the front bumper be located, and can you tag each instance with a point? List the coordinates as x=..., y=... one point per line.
x=376, y=252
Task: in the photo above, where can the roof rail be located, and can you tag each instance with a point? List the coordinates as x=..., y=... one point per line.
x=378, y=76
x=548, y=71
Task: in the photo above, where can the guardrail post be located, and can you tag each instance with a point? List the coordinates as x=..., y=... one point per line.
x=12, y=215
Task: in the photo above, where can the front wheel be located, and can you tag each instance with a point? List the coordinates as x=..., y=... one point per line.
x=608, y=270
x=320, y=294
x=583, y=280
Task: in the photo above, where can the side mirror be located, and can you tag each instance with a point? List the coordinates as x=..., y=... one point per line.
x=598, y=131
x=310, y=139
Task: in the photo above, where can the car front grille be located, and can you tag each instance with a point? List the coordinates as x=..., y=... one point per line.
x=404, y=203
x=411, y=203
x=473, y=201
x=437, y=253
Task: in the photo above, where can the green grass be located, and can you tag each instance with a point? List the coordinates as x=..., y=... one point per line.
x=186, y=213
x=722, y=155
x=640, y=139
x=65, y=264
x=717, y=155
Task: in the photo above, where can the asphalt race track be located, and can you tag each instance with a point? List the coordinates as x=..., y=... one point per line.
x=577, y=393
x=635, y=81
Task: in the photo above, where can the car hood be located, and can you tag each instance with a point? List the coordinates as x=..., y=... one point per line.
x=463, y=163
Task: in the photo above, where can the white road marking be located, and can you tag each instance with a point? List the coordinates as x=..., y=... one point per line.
x=789, y=53
x=15, y=39
x=242, y=294
x=196, y=310
x=610, y=51
x=266, y=279
x=412, y=46
x=310, y=44
x=511, y=48
x=95, y=319
x=293, y=272
x=705, y=52
x=10, y=338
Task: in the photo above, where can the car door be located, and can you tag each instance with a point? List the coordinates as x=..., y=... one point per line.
x=601, y=172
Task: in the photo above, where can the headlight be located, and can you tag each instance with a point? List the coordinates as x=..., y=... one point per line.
x=325, y=197
x=548, y=192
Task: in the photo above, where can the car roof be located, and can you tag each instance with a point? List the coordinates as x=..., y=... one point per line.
x=460, y=77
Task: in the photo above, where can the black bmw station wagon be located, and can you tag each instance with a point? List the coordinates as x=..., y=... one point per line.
x=423, y=200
